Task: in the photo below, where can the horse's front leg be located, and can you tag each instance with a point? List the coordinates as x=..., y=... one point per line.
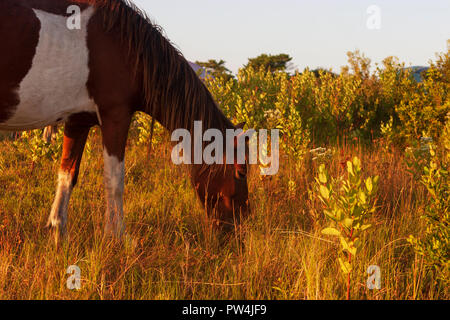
x=75, y=136
x=115, y=132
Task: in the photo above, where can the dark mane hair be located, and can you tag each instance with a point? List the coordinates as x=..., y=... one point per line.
x=173, y=93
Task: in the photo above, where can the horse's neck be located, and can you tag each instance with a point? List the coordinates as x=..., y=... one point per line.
x=187, y=116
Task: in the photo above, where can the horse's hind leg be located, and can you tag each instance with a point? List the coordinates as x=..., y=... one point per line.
x=75, y=137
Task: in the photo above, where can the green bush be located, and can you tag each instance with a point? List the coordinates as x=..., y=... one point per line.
x=35, y=148
x=348, y=204
x=434, y=244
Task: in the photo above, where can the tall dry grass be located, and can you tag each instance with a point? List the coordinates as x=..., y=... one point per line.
x=171, y=252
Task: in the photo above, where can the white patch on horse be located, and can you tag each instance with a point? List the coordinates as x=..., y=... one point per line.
x=114, y=186
x=55, y=86
x=58, y=215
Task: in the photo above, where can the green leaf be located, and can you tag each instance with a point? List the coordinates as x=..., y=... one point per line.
x=331, y=232
x=339, y=215
x=324, y=192
x=352, y=249
x=362, y=197
x=350, y=168
x=345, y=266
x=375, y=180
x=344, y=243
x=369, y=185
x=329, y=214
x=322, y=168
x=348, y=223
x=357, y=212
x=322, y=177
x=432, y=152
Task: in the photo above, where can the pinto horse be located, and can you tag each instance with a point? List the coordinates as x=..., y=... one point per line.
x=116, y=63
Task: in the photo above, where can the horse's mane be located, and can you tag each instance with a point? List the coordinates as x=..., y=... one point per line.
x=173, y=92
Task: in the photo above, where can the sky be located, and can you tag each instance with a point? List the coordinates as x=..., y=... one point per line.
x=315, y=33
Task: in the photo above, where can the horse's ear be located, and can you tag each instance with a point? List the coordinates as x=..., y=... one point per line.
x=240, y=125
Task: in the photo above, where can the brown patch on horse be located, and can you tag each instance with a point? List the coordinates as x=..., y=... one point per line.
x=76, y=132
x=19, y=38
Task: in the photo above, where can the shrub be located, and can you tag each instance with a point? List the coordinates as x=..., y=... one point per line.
x=434, y=244
x=35, y=148
x=347, y=205
x=144, y=127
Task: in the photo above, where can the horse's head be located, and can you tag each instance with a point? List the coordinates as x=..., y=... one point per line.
x=224, y=192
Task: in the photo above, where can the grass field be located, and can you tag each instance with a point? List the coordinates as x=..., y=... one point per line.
x=170, y=250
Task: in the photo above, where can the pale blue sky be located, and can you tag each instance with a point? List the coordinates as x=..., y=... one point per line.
x=315, y=33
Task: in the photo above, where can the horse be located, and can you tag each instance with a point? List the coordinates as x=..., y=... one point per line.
x=115, y=63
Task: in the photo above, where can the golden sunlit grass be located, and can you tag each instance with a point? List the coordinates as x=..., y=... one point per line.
x=171, y=252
